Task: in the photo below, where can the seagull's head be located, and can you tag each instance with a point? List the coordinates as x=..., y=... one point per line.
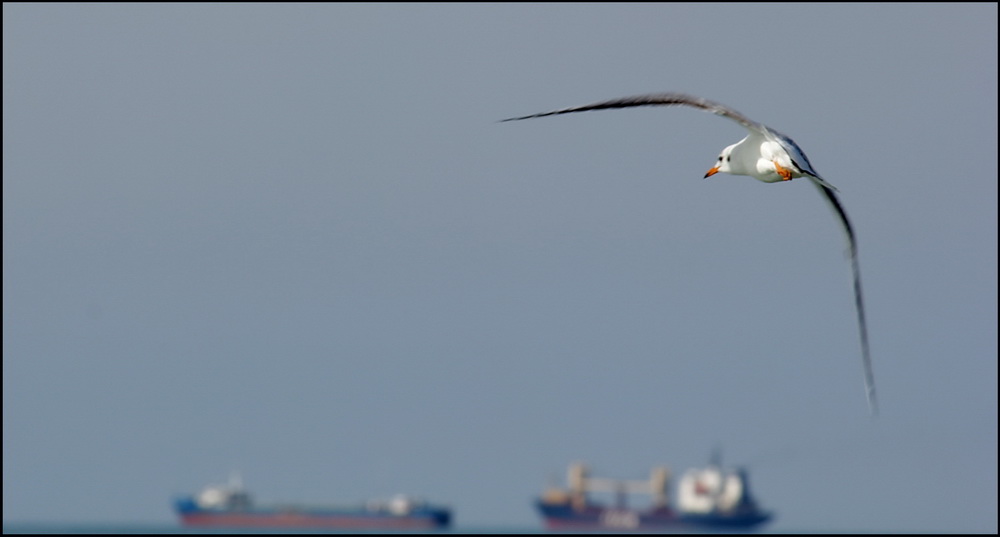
x=722, y=164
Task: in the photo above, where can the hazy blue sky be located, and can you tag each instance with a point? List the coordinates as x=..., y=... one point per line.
x=293, y=240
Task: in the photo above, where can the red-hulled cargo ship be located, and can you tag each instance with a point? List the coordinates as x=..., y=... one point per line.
x=231, y=506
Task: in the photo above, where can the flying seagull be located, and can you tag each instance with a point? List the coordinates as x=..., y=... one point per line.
x=766, y=155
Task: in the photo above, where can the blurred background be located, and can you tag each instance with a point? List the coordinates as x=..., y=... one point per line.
x=293, y=241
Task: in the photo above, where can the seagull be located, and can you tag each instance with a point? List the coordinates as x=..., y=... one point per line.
x=766, y=155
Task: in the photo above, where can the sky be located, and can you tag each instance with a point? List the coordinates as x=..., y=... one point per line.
x=294, y=241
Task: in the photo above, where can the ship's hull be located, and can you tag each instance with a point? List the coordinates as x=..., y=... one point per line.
x=289, y=517
x=725, y=522
x=596, y=517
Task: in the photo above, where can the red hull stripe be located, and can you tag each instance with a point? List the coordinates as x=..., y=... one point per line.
x=290, y=520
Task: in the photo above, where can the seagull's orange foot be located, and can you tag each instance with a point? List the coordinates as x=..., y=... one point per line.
x=785, y=173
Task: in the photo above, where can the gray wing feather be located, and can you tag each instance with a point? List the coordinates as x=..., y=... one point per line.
x=866, y=360
x=658, y=99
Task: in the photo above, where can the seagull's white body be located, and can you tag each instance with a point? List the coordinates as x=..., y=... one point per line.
x=766, y=155
x=756, y=156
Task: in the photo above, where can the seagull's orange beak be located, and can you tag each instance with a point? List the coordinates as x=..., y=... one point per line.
x=711, y=172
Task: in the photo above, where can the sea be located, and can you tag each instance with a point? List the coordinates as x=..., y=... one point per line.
x=153, y=529
x=149, y=529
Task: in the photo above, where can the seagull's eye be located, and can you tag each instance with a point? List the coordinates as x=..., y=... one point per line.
x=720, y=158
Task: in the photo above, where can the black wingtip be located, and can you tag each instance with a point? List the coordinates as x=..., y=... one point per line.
x=522, y=117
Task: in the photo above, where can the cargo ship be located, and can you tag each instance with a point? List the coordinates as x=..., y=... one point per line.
x=231, y=506
x=711, y=498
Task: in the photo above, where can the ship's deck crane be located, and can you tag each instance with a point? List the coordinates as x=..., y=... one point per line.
x=580, y=483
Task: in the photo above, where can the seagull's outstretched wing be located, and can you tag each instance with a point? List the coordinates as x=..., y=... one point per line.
x=797, y=155
x=658, y=99
x=866, y=360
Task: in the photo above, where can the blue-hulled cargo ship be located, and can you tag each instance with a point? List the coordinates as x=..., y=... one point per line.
x=231, y=506
x=710, y=498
